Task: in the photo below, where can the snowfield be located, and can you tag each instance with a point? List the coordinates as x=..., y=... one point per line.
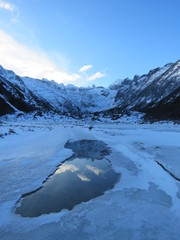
x=144, y=204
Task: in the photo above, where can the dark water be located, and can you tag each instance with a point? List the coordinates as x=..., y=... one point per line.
x=86, y=175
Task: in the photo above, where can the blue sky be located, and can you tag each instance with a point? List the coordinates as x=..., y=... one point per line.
x=86, y=42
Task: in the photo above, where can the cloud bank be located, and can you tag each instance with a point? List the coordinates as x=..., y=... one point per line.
x=26, y=62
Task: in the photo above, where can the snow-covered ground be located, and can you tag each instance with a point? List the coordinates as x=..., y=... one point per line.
x=144, y=204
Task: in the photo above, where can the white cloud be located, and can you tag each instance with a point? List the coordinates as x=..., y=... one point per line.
x=7, y=6
x=85, y=68
x=26, y=62
x=13, y=9
x=95, y=76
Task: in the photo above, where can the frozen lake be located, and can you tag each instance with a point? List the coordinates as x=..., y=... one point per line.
x=85, y=175
x=143, y=204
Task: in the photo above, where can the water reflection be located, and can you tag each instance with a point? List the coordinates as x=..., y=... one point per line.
x=77, y=180
x=83, y=178
x=95, y=170
x=67, y=167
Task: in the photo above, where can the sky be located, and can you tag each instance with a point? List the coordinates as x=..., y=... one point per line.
x=88, y=42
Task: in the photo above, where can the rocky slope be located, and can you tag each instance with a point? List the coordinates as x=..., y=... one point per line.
x=157, y=93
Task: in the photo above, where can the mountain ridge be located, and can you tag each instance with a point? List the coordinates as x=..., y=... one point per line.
x=156, y=94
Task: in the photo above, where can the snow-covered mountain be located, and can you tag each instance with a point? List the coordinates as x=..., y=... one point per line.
x=23, y=94
x=157, y=94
